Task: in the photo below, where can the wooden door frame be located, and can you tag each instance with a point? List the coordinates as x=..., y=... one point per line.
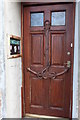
x=24, y=4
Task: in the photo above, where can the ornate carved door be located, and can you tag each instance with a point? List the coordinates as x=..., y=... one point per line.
x=48, y=37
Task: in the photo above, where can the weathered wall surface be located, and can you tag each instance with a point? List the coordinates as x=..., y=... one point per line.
x=2, y=62
x=13, y=66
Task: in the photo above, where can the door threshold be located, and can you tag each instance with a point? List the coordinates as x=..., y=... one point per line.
x=43, y=116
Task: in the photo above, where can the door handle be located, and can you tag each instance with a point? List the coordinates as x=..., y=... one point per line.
x=68, y=64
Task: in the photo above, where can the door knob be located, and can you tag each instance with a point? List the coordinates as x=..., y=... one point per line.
x=68, y=53
x=68, y=64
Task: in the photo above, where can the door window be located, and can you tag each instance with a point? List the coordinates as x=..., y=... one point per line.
x=57, y=18
x=37, y=19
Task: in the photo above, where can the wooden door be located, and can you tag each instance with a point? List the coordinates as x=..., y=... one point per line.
x=48, y=38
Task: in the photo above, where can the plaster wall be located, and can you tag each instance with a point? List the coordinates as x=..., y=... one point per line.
x=13, y=66
x=2, y=62
x=75, y=72
x=79, y=59
x=76, y=80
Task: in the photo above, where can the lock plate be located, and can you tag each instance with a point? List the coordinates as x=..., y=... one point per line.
x=68, y=64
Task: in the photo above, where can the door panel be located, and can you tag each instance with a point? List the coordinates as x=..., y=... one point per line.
x=56, y=87
x=36, y=93
x=57, y=48
x=37, y=49
x=48, y=34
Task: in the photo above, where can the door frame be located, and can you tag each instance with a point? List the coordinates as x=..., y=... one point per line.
x=25, y=4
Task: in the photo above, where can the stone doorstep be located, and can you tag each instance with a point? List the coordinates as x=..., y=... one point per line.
x=30, y=118
x=41, y=117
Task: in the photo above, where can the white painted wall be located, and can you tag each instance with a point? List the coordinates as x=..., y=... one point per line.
x=75, y=73
x=13, y=66
x=79, y=59
x=2, y=61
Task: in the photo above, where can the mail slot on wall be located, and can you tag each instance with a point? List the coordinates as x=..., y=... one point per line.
x=14, y=46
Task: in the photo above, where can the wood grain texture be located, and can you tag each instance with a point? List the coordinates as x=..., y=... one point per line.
x=56, y=94
x=58, y=48
x=37, y=49
x=48, y=97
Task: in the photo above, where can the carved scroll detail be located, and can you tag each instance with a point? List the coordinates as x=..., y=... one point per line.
x=53, y=75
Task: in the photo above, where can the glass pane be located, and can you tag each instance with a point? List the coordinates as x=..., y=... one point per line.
x=15, y=42
x=58, y=18
x=37, y=19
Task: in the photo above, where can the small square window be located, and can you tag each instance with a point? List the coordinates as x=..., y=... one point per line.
x=37, y=19
x=57, y=18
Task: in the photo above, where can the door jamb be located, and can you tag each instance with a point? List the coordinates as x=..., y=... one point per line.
x=72, y=57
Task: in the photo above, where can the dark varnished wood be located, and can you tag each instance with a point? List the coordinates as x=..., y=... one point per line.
x=37, y=48
x=47, y=97
x=57, y=48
